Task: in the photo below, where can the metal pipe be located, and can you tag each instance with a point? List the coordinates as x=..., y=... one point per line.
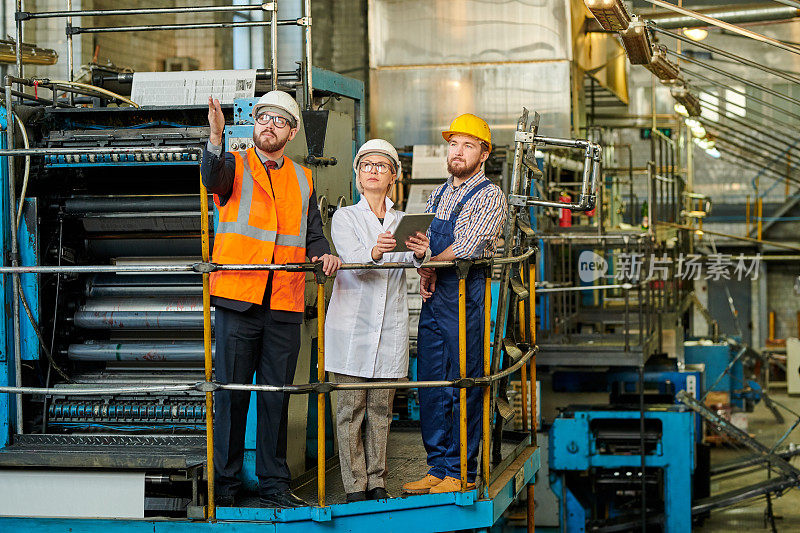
x=759, y=161
x=763, y=166
x=747, y=215
x=12, y=209
x=738, y=159
x=760, y=218
x=624, y=286
x=111, y=390
x=523, y=372
x=766, y=145
x=81, y=151
x=487, y=392
x=309, y=89
x=273, y=45
x=31, y=55
x=146, y=304
x=750, y=125
x=530, y=509
x=321, y=396
x=140, y=291
x=604, y=237
x=173, y=27
x=18, y=50
x=727, y=26
x=462, y=372
x=591, y=171
x=521, y=137
x=768, y=151
x=732, y=14
x=747, y=96
x=162, y=320
x=723, y=53
x=534, y=406
x=745, y=81
x=212, y=267
x=204, y=386
x=138, y=351
x=70, y=56
x=27, y=15
x=735, y=237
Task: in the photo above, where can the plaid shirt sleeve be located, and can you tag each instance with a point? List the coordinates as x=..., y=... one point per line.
x=479, y=224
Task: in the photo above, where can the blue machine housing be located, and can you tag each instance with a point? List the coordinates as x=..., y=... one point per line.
x=578, y=444
x=716, y=357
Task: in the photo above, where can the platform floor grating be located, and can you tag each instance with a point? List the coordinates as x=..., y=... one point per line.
x=406, y=462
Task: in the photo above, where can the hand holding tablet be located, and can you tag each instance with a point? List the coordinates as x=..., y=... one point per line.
x=408, y=226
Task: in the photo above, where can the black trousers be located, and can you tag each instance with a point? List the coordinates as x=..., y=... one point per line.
x=251, y=342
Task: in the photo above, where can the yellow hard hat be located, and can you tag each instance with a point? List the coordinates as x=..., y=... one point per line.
x=469, y=124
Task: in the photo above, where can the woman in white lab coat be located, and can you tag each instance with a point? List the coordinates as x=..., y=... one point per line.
x=366, y=331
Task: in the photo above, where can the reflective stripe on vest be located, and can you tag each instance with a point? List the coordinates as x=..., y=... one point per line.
x=242, y=224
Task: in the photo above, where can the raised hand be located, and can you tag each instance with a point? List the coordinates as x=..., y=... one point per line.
x=216, y=121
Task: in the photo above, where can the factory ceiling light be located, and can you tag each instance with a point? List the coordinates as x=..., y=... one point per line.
x=696, y=34
x=611, y=14
x=636, y=41
x=662, y=67
x=689, y=103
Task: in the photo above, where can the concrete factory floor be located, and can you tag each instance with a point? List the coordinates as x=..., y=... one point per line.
x=751, y=517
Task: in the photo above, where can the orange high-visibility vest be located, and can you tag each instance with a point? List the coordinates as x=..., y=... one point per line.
x=256, y=228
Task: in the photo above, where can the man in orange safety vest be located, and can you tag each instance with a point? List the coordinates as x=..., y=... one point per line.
x=267, y=214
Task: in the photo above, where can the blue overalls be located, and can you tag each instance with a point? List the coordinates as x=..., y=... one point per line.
x=437, y=356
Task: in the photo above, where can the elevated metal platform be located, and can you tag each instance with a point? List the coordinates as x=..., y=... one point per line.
x=429, y=512
x=597, y=350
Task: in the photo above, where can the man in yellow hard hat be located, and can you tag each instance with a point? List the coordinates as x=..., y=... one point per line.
x=469, y=215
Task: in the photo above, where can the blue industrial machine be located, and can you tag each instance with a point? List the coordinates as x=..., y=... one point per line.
x=137, y=329
x=601, y=478
x=140, y=459
x=716, y=356
x=596, y=450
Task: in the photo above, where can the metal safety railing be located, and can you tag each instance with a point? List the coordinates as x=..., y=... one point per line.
x=209, y=386
x=322, y=387
x=518, y=250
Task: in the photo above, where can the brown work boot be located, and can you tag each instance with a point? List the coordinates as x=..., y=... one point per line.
x=421, y=486
x=449, y=484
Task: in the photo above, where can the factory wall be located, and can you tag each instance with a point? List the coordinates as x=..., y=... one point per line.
x=144, y=51
x=430, y=61
x=782, y=299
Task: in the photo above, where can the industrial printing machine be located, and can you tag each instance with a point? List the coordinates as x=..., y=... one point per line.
x=138, y=329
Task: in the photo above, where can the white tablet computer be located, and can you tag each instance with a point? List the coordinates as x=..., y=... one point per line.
x=408, y=226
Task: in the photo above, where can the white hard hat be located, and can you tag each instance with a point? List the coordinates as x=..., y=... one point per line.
x=278, y=101
x=377, y=146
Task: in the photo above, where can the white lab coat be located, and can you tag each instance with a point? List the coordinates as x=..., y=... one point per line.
x=366, y=327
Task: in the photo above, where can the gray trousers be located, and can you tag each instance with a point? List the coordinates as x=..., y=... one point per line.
x=362, y=456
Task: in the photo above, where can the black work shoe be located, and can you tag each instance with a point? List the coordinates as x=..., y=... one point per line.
x=359, y=496
x=378, y=493
x=284, y=500
x=224, y=500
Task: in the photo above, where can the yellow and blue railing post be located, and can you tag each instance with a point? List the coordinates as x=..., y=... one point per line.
x=204, y=234
x=320, y=279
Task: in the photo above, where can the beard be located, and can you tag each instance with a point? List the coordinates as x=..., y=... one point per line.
x=268, y=143
x=464, y=170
